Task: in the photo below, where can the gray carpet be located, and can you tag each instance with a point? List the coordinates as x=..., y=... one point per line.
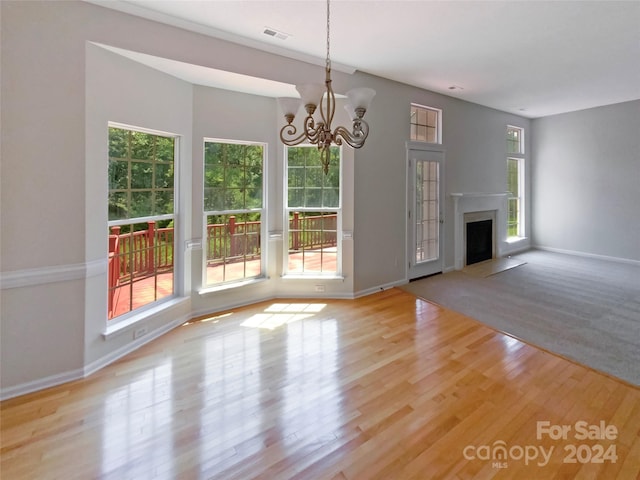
x=584, y=309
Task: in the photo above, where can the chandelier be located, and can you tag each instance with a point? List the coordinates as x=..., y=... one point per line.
x=320, y=132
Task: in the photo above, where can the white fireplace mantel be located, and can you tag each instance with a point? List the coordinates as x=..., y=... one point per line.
x=478, y=202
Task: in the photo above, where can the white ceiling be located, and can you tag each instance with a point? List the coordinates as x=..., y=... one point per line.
x=532, y=58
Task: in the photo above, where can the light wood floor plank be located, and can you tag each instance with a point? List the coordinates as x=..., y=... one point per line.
x=383, y=387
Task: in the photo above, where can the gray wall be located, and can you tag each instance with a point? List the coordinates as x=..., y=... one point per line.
x=586, y=181
x=474, y=139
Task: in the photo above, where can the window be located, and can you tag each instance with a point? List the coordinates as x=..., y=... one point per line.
x=233, y=211
x=426, y=124
x=313, y=212
x=514, y=140
x=141, y=218
x=515, y=182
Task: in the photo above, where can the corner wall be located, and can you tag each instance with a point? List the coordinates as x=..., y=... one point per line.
x=586, y=167
x=120, y=90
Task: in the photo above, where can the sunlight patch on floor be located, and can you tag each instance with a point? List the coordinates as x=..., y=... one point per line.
x=279, y=314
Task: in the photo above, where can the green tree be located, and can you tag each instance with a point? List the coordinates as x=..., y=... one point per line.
x=233, y=175
x=308, y=185
x=141, y=174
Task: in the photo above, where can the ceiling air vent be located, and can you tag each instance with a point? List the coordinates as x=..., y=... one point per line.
x=272, y=32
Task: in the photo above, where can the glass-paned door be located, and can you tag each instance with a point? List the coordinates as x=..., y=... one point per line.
x=424, y=214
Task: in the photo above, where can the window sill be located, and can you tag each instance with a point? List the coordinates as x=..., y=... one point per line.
x=129, y=323
x=312, y=277
x=516, y=239
x=230, y=285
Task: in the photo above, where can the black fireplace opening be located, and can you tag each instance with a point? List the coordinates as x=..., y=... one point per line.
x=479, y=241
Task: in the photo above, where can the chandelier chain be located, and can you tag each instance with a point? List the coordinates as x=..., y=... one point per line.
x=319, y=131
x=328, y=61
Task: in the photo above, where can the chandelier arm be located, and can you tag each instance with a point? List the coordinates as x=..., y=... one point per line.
x=356, y=138
x=310, y=132
x=363, y=128
x=287, y=135
x=291, y=141
x=312, y=137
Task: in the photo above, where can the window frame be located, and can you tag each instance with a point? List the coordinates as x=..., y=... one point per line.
x=438, y=125
x=517, y=156
x=287, y=211
x=232, y=283
x=135, y=314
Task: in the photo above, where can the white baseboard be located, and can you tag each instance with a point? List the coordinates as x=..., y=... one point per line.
x=515, y=251
x=79, y=373
x=588, y=255
x=111, y=357
x=40, y=384
x=267, y=298
x=386, y=286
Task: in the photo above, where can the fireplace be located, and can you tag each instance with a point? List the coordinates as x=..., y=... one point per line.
x=489, y=212
x=479, y=239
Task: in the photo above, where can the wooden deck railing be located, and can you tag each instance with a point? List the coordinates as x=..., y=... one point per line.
x=113, y=269
x=142, y=252
x=137, y=254
x=145, y=252
x=232, y=240
x=312, y=231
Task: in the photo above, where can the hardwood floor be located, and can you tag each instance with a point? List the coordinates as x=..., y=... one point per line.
x=386, y=386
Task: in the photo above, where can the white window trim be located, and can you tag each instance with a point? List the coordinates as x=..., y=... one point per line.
x=521, y=158
x=121, y=322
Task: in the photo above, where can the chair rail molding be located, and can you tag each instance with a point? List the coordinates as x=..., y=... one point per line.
x=58, y=273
